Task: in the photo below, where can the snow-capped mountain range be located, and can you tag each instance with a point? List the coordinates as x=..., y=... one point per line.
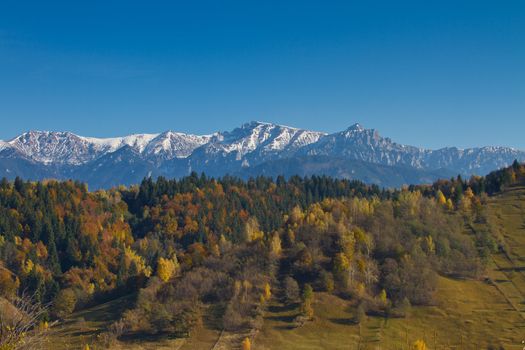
x=252, y=149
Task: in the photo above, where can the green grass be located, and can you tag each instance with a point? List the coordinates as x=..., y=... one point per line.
x=507, y=216
x=471, y=313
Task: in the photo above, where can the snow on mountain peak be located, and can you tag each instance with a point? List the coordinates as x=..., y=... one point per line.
x=111, y=144
x=67, y=148
x=255, y=124
x=355, y=127
x=261, y=137
x=175, y=144
x=252, y=144
x=48, y=147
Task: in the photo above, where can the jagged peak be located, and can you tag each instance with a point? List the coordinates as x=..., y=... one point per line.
x=176, y=133
x=260, y=124
x=40, y=133
x=357, y=130
x=355, y=127
x=171, y=144
x=254, y=124
x=256, y=137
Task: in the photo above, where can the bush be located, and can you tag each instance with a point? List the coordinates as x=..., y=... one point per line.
x=65, y=303
x=8, y=284
x=233, y=320
x=291, y=290
x=300, y=321
x=360, y=313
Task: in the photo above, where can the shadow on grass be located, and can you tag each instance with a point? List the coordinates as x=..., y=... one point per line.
x=81, y=333
x=501, y=281
x=108, y=311
x=285, y=327
x=344, y=321
x=151, y=338
x=282, y=308
x=509, y=269
x=283, y=318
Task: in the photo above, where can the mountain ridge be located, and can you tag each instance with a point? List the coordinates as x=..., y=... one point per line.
x=253, y=145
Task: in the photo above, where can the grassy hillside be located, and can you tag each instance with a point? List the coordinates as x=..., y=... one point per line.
x=507, y=220
x=471, y=313
x=467, y=314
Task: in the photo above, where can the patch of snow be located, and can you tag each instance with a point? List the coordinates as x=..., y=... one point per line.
x=136, y=141
x=175, y=144
x=255, y=142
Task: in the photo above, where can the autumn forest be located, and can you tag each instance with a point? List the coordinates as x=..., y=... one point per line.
x=175, y=247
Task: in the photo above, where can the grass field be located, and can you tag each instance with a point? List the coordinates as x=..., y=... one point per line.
x=507, y=216
x=468, y=314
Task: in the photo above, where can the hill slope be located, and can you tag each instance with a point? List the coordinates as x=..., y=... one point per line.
x=468, y=314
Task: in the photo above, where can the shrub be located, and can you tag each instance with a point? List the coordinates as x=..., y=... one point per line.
x=291, y=290
x=360, y=313
x=65, y=303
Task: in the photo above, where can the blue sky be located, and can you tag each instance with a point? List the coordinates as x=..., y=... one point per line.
x=427, y=73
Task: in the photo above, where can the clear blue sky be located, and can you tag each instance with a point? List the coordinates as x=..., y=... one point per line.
x=427, y=73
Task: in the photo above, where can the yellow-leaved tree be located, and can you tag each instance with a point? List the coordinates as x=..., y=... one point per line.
x=167, y=268
x=383, y=297
x=138, y=261
x=246, y=344
x=441, y=199
x=252, y=231
x=450, y=205
x=419, y=345
x=276, y=244
x=267, y=291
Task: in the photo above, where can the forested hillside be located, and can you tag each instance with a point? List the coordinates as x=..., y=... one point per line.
x=179, y=250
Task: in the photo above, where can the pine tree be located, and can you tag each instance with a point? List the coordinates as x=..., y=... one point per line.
x=53, y=261
x=122, y=273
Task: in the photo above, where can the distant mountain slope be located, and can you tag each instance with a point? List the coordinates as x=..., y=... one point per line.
x=255, y=148
x=382, y=175
x=367, y=145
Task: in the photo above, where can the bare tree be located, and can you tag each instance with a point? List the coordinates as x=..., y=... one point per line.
x=20, y=324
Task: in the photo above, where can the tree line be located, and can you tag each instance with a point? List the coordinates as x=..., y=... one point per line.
x=184, y=244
